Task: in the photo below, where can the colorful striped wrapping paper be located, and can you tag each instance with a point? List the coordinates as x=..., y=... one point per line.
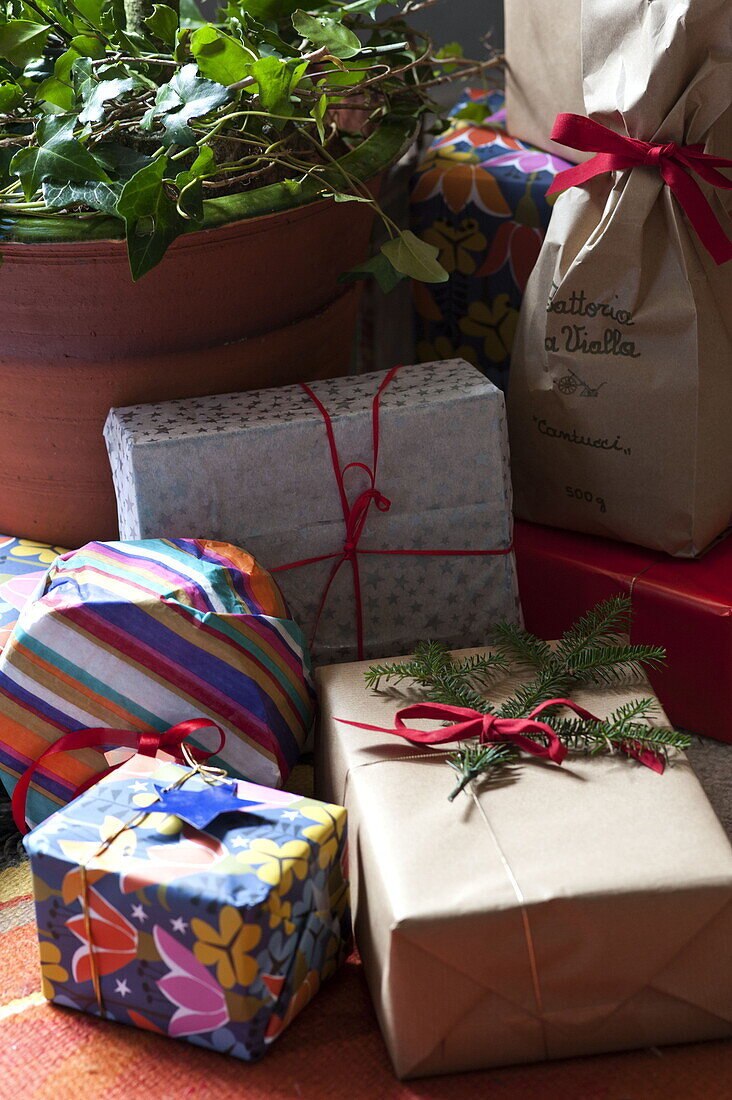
x=141, y=636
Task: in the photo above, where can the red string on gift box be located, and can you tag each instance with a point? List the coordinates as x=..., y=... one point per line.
x=677, y=164
x=146, y=743
x=356, y=514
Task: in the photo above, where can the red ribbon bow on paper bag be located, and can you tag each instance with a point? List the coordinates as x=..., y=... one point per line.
x=677, y=164
x=146, y=743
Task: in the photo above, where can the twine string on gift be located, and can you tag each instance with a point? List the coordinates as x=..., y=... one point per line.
x=525, y=921
x=145, y=743
x=355, y=516
x=433, y=754
x=678, y=164
x=210, y=776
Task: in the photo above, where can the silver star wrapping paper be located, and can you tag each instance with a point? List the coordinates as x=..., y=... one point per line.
x=255, y=469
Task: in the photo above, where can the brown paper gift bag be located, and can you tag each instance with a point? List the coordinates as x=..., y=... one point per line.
x=543, y=69
x=574, y=910
x=621, y=379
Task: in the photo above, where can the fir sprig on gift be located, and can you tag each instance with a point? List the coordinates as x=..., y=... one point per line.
x=593, y=650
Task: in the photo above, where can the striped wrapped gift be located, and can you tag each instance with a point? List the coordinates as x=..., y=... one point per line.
x=140, y=636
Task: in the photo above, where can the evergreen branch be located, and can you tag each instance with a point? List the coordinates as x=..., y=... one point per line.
x=473, y=760
x=592, y=650
x=481, y=666
x=446, y=681
x=521, y=645
x=607, y=663
x=601, y=626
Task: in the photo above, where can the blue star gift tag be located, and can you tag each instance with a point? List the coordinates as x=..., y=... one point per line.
x=201, y=806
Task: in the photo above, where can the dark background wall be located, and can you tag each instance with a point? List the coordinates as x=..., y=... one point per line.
x=464, y=21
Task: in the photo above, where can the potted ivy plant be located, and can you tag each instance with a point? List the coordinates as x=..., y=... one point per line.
x=184, y=205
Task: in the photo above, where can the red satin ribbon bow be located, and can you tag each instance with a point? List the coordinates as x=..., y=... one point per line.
x=676, y=163
x=146, y=744
x=356, y=514
x=488, y=728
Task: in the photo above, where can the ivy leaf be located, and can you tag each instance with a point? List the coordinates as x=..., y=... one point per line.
x=21, y=41
x=318, y=113
x=119, y=161
x=219, y=56
x=58, y=155
x=269, y=43
x=188, y=95
x=269, y=11
x=97, y=195
x=351, y=73
x=321, y=31
x=92, y=11
x=450, y=49
x=163, y=23
x=415, y=258
x=151, y=220
x=276, y=80
x=473, y=112
x=190, y=14
x=363, y=7
x=376, y=267
x=188, y=182
x=104, y=92
x=11, y=95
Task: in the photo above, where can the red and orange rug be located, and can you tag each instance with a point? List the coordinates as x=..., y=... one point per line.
x=333, y=1051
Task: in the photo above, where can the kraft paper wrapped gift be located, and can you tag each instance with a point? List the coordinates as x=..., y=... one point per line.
x=218, y=934
x=257, y=469
x=543, y=50
x=543, y=69
x=571, y=910
x=620, y=383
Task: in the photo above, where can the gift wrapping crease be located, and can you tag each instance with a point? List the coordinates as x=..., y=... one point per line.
x=486, y=925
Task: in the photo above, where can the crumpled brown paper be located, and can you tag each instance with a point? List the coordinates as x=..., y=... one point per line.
x=621, y=388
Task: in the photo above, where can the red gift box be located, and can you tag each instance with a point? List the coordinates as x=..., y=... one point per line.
x=684, y=605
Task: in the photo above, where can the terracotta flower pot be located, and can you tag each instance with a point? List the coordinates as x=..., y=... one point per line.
x=250, y=300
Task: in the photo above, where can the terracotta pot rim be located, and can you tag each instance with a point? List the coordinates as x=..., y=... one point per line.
x=241, y=213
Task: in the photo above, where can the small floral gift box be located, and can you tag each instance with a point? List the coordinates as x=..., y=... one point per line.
x=215, y=923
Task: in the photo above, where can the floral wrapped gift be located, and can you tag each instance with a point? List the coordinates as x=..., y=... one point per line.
x=563, y=903
x=135, y=637
x=215, y=924
x=479, y=196
x=23, y=564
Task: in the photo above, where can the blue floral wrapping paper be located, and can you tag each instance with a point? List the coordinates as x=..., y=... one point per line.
x=219, y=936
x=479, y=196
x=23, y=565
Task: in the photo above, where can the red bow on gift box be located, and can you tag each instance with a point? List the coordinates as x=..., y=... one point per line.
x=676, y=163
x=490, y=728
x=146, y=743
x=356, y=514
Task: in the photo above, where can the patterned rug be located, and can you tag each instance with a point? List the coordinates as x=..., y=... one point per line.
x=332, y=1050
